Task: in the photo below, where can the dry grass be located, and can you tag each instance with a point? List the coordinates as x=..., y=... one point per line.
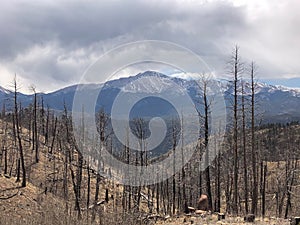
x=31, y=205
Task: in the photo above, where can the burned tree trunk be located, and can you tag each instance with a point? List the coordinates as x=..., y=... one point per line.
x=17, y=128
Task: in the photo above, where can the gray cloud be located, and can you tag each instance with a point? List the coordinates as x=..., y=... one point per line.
x=52, y=44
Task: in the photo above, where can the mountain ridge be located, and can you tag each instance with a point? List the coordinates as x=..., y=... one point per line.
x=278, y=103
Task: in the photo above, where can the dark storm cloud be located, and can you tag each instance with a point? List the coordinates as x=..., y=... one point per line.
x=56, y=41
x=73, y=24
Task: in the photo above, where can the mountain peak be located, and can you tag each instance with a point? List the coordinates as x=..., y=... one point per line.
x=151, y=73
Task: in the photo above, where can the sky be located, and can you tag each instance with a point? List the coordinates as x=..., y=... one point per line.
x=50, y=44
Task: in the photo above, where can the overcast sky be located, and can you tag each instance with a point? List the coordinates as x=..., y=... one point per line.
x=51, y=43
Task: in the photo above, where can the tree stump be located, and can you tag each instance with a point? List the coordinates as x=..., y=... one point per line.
x=250, y=218
x=221, y=216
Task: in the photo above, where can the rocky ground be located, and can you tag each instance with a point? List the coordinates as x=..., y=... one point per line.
x=202, y=219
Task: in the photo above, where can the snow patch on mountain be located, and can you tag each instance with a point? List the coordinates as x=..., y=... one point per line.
x=152, y=84
x=4, y=91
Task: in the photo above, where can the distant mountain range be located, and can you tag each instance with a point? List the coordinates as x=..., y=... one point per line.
x=274, y=103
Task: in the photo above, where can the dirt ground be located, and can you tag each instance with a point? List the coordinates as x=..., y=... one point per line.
x=213, y=219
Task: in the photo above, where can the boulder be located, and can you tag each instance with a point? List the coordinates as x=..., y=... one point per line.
x=203, y=203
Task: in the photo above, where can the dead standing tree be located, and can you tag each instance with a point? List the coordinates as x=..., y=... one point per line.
x=102, y=120
x=244, y=144
x=35, y=140
x=72, y=152
x=18, y=133
x=236, y=68
x=253, y=150
x=205, y=119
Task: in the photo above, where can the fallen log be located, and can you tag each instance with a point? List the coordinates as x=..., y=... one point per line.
x=191, y=209
x=8, y=197
x=93, y=205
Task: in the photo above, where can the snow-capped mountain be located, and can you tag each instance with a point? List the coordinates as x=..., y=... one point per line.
x=274, y=103
x=7, y=97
